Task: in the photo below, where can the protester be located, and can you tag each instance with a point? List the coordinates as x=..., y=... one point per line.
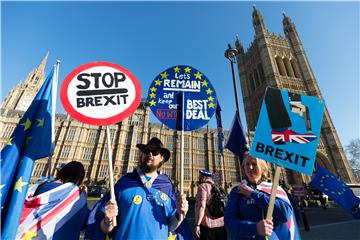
x=56, y=209
x=206, y=226
x=245, y=214
x=145, y=206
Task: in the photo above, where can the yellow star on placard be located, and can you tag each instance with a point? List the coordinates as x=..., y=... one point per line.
x=26, y=124
x=153, y=89
x=19, y=184
x=198, y=75
x=211, y=105
x=29, y=235
x=209, y=91
x=152, y=103
x=177, y=69
x=28, y=139
x=204, y=83
x=8, y=142
x=152, y=95
x=164, y=75
x=210, y=98
x=171, y=236
x=158, y=82
x=40, y=122
x=187, y=69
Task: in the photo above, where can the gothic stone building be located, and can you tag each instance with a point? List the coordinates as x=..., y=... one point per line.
x=87, y=143
x=281, y=62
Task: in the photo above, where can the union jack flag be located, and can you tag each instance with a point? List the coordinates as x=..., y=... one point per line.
x=291, y=136
x=56, y=214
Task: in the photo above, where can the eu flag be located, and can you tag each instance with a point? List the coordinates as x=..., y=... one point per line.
x=32, y=139
x=219, y=129
x=336, y=189
x=237, y=142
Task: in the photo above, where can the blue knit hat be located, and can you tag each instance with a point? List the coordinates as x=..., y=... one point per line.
x=205, y=172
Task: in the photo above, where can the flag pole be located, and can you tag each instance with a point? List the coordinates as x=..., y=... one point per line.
x=111, y=174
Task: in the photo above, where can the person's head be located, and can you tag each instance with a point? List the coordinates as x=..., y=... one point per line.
x=72, y=172
x=204, y=174
x=153, y=155
x=256, y=170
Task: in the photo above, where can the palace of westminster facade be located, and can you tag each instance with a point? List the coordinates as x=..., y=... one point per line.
x=271, y=60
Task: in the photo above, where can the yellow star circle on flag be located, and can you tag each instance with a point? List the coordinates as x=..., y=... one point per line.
x=171, y=236
x=26, y=124
x=209, y=91
x=40, y=122
x=152, y=103
x=19, y=184
x=198, y=75
x=211, y=99
x=152, y=95
x=164, y=75
x=177, y=69
x=153, y=89
x=158, y=82
x=187, y=69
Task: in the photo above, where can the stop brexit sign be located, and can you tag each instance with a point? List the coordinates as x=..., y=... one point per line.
x=100, y=93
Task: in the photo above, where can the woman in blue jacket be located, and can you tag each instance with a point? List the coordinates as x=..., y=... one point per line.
x=247, y=206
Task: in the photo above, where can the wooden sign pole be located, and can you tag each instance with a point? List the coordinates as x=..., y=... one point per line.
x=111, y=174
x=273, y=193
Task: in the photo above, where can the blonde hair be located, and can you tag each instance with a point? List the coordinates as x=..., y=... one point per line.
x=261, y=163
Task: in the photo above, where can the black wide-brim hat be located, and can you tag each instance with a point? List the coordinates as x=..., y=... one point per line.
x=155, y=144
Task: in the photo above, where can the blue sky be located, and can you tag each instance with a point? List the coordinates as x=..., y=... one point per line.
x=149, y=37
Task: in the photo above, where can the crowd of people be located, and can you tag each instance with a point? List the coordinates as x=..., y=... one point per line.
x=146, y=205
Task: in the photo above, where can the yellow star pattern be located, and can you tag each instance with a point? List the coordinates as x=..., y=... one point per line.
x=153, y=89
x=152, y=95
x=204, y=83
x=19, y=184
x=209, y=91
x=158, y=82
x=26, y=124
x=198, y=75
x=29, y=235
x=152, y=103
x=8, y=142
x=187, y=69
x=164, y=75
x=211, y=99
x=211, y=105
x=171, y=236
x=177, y=69
x=28, y=139
x=40, y=122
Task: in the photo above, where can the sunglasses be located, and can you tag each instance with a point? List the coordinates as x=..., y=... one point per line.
x=153, y=152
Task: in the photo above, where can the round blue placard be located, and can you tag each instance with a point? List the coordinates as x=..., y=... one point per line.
x=182, y=91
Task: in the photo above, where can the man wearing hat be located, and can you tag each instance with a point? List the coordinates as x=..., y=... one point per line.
x=146, y=206
x=207, y=227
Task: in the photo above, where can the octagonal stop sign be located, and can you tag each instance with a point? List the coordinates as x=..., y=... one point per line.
x=100, y=93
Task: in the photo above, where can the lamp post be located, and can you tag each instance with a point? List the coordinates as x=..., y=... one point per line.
x=231, y=54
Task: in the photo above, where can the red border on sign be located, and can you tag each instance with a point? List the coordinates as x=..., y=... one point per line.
x=99, y=121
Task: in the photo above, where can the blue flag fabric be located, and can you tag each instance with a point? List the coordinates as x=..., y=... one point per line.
x=331, y=185
x=237, y=142
x=32, y=139
x=219, y=129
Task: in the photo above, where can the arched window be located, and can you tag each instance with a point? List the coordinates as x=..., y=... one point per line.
x=280, y=66
x=295, y=68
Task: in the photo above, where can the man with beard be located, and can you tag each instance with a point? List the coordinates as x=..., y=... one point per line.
x=145, y=203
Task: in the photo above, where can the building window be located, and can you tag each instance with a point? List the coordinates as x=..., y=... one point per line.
x=71, y=134
x=125, y=155
x=256, y=76
x=103, y=171
x=168, y=172
x=65, y=152
x=232, y=176
x=200, y=160
x=187, y=174
x=86, y=168
x=261, y=72
x=87, y=153
x=136, y=120
x=170, y=142
x=128, y=138
x=136, y=155
x=231, y=162
x=201, y=144
x=295, y=68
x=186, y=158
x=39, y=169
x=186, y=142
x=92, y=136
x=105, y=154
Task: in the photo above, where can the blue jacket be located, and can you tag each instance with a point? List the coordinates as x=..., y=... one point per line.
x=242, y=214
